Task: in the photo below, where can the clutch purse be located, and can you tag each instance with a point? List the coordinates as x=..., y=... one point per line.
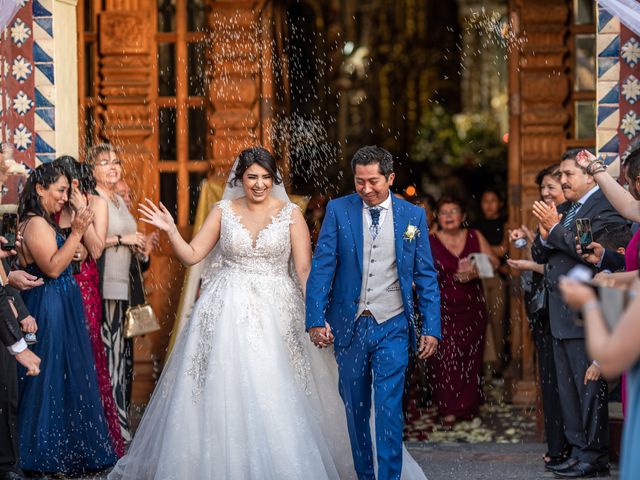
x=140, y=319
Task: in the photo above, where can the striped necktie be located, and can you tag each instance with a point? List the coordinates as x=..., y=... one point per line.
x=570, y=215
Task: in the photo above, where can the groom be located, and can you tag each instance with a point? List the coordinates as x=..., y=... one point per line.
x=372, y=249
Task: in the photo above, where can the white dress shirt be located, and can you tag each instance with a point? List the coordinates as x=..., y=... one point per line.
x=18, y=347
x=384, y=208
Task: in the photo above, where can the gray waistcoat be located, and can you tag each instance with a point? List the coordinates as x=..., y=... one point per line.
x=380, y=292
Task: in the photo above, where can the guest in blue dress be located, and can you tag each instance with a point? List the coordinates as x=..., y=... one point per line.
x=61, y=421
x=615, y=351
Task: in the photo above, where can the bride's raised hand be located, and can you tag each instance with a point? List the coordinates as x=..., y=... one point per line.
x=158, y=216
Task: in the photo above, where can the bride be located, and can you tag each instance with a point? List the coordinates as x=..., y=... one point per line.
x=245, y=394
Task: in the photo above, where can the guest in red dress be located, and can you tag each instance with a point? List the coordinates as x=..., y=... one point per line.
x=86, y=274
x=456, y=367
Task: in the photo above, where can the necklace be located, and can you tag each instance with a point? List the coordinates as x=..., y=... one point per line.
x=111, y=196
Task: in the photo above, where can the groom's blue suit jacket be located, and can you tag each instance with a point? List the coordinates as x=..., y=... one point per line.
x=333, y=288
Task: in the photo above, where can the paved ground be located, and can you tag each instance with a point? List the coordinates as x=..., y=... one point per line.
x=476, y=461
x=500, y=444
x=482, y=461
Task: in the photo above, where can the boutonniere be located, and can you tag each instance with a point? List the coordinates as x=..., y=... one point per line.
x=411, y=232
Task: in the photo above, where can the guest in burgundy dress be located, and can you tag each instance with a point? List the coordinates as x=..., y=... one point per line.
x=86, y=274
x=456, y=367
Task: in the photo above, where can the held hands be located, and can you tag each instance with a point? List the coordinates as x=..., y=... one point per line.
x=427, y=347
x=547, y=215
x=24, y=281
x=157, y=216
x=321, y=337
x=80, y=221
x=595, y=257
x=30, y=361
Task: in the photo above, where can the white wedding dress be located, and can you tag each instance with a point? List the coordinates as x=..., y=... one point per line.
x=245, y=394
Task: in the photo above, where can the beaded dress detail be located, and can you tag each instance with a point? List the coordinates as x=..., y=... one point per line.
x=245, y=394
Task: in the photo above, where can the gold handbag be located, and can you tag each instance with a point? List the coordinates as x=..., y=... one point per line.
x=141, y=319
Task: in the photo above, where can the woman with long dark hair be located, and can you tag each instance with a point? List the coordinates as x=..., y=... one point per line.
x=82, y=194
x=61, y=420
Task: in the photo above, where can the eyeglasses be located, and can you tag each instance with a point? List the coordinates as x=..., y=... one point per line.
x=446, y=213
x=106, y=163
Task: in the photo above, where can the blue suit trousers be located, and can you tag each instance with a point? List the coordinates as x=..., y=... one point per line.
x=376, y=358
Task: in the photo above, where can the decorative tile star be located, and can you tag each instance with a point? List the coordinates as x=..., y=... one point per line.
x=22, y=103
x=631, y=52
x=20, y=32
x=21, y=138
x=631, y=89
x=21, y=68
x=630, y=124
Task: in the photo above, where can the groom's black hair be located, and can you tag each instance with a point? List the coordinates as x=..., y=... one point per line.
x=372, y=154
x=258, y=155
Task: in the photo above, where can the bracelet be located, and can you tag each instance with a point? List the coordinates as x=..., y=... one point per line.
x=119, y=237
x=595, y=166
x=590, y=305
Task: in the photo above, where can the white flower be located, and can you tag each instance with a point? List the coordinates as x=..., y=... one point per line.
x=631, y=52
x=21, y=138
x=630, y=124
x=22, y=104
x=21, y=68
x=411, y=232
x=20, y=32
x=631, y=89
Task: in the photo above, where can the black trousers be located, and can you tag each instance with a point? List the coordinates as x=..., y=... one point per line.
x=553, y=423
x=8, y=412
x=585, y=410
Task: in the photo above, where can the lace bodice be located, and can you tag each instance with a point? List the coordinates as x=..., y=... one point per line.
x=272, y=248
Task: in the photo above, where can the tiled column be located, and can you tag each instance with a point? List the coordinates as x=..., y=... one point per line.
x=608, y=87
x=43, y=58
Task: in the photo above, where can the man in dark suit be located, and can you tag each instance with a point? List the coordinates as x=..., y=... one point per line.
x=14, y=319
x=583, y=393
x=13, y=347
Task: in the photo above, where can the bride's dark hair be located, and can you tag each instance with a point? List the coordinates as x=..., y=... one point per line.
x=258, y=155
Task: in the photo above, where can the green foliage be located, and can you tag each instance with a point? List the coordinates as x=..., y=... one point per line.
x=463, y=139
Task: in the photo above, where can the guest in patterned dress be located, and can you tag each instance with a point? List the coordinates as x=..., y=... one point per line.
x=61, y=419
x=83, y=193
x=456, y=367
x=122, y=237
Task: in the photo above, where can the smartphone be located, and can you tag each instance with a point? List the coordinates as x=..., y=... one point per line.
x=585, y=236
x=9, y=230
